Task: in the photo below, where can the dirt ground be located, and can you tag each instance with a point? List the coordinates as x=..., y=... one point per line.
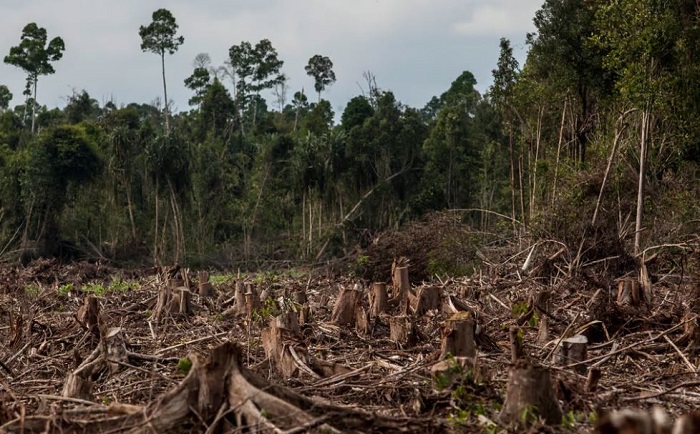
x=86, y=347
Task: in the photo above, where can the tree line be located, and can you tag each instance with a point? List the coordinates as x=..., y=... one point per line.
x=596, y=133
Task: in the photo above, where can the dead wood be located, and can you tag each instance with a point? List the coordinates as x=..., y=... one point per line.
x=529, y=396
x=573, y=350
x=458, y=336
x=378, y=299
x=206, y=289
x=220, y=395
x=428, y=298
x=345, y=306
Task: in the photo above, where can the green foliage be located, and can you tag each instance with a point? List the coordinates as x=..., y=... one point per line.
x=33, y=290
x=159, y=36
x=321, y=69
x=5, y=98
x=269, y=309
x=65, y=289
x=184, y=365
x=95, y=288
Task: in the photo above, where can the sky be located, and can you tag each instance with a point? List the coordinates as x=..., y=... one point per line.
x=414, y=48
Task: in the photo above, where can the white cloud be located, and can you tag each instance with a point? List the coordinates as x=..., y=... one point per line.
x=499, y=17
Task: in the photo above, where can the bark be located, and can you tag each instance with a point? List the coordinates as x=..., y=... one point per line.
x=530, y=396
x=573, y=350
x=206, y=289
x=165, y=95
x=640, y=185
x=345, y=306
x=458, y=336
x=429, y=298
x=401, y=330
x=378, y=299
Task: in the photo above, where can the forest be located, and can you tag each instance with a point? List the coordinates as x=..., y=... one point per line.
x=559, y=205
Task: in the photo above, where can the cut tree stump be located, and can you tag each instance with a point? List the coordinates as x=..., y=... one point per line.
x=573, y=350
x=530, y=396
x=276, y=340
x=401, y=329
x=629, y=292
x=516, y=344
x=206, y=289
x=241, y=305
x=345, y=306
x=88, y=315
x=592, y=379
x=378, y=299
x=428, y=298
x=458, y=336
x=401, y=285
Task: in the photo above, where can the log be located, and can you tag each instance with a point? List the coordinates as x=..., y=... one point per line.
x=206, y=289
x=345, y=306
x=429, y=298
x=529, y=396
x=573, y=350
x=458, y=336
x=378, y=299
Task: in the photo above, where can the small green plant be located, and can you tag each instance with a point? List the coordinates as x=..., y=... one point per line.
x=268, y=309
x=95, y=288
x=32, y=290
x=184, y=365
x=528, y=415
x=219, y=279
x=519, y=308
x=534, y=320
x=66, y=288
x=122, y=286
x=266, y=414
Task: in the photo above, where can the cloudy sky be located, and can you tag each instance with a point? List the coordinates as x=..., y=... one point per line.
x=413, y=47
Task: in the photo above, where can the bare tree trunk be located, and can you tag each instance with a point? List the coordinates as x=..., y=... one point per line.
x=156, y=258
x=559, y=142
x=34, y=107
x=165, y=94
x=640, y=190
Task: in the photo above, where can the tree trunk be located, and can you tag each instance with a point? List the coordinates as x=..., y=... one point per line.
x=640, y=186
x=165, y=95
x=34, y=106
x=378, y=299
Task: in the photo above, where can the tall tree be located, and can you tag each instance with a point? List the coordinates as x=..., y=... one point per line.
x=253, y=69
x=34, y=56
x=160, y=37
x=321, y=69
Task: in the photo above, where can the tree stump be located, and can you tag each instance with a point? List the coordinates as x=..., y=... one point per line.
x=378, y=299
x=429, y=298
x=592, y=380
x=401, y=329
x=206, y=289
x=241, y=305
x=543, y=330
x=629, y=292
x=401, y=285
x=252, y=303
x=530, y=396
x=88, y=315
x=304, y=311
x=362, y=322
x=458, y=336
x=573, y=350
x=345, y=306
x=516, y=344
x=182, y=301
x=276, y=340
x=114, y=347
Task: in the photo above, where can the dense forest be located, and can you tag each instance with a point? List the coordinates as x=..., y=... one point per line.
x=596, y=135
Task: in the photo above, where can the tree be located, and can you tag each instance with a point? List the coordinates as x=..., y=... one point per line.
x=253, y=69
x=159, y=38
x=5, y=98
x=321, y=69
x=34, y=56
x=81, y=107
x=356, y=112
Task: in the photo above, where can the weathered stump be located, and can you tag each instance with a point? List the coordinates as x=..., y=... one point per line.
x=458, y=336
x=573, y=350
x=378, y=299
x=529, y=396
x=516, y=344
x=345, y=306
x=428, y=298
x=206, y=289
x=401, y=329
